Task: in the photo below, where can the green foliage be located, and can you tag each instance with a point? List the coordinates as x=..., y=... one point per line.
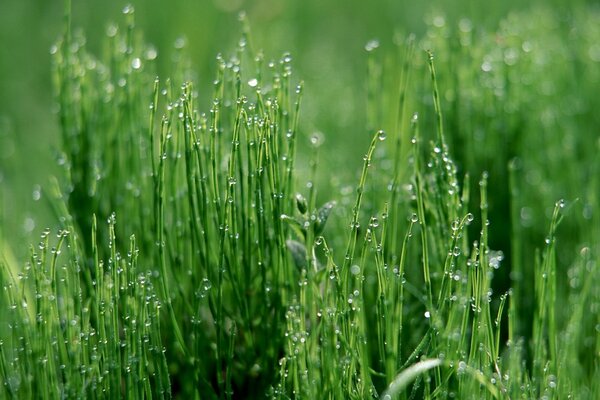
x=189, y=265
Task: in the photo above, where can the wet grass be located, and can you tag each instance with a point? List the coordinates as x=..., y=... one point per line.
x=198, y=258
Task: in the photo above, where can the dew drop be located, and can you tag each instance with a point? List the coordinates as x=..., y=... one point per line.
x=372, y=45
x=439, y=21
x=37, y=193
x=136, y=63
x=151, y=53
x=179, y=43
x=29, y=225
x=111, y=30
x=316, y=139
x=486, y=66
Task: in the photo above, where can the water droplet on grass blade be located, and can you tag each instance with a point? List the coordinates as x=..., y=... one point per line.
x=151, y=53
x=372, y=45
x=136, y=63
x=316, y=139
x=455, y=225
x=439, y=21
x=465, y=25
x=111, y=30
x=486, y=66
x=179, y=43
x=29, y=225
x=381, y=135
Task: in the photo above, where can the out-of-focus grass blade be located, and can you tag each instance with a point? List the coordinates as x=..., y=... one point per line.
x=404, y=378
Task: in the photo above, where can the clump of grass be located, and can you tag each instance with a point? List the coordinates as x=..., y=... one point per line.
x=64, y=343
x=192, y=262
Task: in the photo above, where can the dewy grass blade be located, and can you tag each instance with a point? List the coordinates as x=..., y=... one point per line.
x=403, y=379
x=354, y=224
x=220, y=280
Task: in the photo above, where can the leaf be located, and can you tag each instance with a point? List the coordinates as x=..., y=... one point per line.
x=323, y=215
x=298, y=252
x=405, y=377
x=321, y=273
x=295, y=225
x=301, y=203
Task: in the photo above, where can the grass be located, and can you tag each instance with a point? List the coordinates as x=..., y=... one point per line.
x=196, y=257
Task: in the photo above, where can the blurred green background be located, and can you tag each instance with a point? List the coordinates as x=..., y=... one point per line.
x=326, y=39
